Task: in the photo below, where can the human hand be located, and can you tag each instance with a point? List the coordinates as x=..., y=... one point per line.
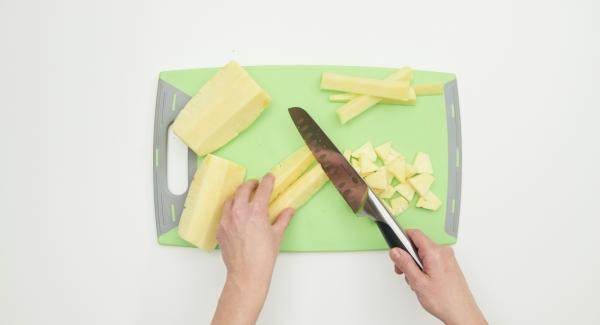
x=249, y=243
x=441, y=287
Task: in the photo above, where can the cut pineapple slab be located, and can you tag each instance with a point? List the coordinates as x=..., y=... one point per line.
x=214, y=182
x=225, y=106
x=379, y=88
x=290, y=169
x=299, y=192
x=365, y=150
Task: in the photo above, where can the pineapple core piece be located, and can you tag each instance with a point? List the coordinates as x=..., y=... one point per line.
x=214, y=182
x=225, y=106
x=290, y=169
x=392, y=89
x=299, y=192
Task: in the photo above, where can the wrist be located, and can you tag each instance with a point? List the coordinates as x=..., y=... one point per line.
x=247, y=285
x=469, y=316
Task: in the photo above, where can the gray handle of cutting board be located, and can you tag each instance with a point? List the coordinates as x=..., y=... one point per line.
x=454, y=158
x=168, y=207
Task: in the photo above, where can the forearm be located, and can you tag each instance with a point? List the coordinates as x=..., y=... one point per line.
x=241, y=302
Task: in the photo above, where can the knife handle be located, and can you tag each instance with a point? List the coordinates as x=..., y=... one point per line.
x=393, y=240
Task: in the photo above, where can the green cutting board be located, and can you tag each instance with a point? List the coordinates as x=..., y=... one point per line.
x=326, y=223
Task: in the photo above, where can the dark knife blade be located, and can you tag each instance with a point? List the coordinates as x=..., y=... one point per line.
x=343, y=176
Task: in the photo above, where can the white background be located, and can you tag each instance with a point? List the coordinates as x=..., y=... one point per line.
x=77, y=93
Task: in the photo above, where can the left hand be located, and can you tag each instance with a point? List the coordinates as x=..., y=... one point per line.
x=249, y=243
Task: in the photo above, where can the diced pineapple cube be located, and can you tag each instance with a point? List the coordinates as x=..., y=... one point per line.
x=299, y=192
x=383, y=150
x=387, y=193
x=377, y=180
x=421, y=183
x=287, y=171
x=365, y=150
x=366, y=165
x=422, y=163
x=429, y=201
x=406, y=191
x=225, y=106
x=410, y=171
x=398, y=169
x=214, y=182
x=399, y=205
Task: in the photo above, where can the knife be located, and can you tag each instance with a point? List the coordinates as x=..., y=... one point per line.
x=361, y=199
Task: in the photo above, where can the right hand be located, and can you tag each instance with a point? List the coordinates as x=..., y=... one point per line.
x=441, y=287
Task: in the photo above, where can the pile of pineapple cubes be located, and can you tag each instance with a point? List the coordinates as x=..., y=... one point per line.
x=391, y=173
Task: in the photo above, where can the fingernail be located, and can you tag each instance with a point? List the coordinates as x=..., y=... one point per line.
x=396, y=252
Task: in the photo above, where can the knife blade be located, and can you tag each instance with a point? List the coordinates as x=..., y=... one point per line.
x=349, y=183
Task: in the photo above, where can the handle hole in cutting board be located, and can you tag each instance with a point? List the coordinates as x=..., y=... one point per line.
x=177, y=164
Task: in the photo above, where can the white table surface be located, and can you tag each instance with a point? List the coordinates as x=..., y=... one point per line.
x=77, y=93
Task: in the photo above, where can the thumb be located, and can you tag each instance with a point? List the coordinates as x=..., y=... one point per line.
x=405, y=264
x=283, y=220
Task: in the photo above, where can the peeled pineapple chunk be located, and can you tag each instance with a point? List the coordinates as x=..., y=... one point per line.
x=410, y=171
x=429, y=201
x=377, y=180
x=406, y=191
x=399, y=205
x=365, y=86
x=299, y=192
x=387, y=193
x=225, y=106
x=398, y=168
x=288, y=170
x=383, y=150
x=214, y=182
x=429, y=89
x=421, y=183
x=365, y=150
x=422, y=164
x=366, y=165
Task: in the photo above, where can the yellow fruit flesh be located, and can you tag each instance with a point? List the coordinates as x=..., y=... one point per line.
x=299, y=192
x=421, y=183
x=290, y=169
x=214, y=182
x=430, y=201
x=406, y=191
x=377, y=180
x=398, y=168
x=380, y=88
x=429, y=89
x=422, y=164
x=225, y=106
x=360, y=103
